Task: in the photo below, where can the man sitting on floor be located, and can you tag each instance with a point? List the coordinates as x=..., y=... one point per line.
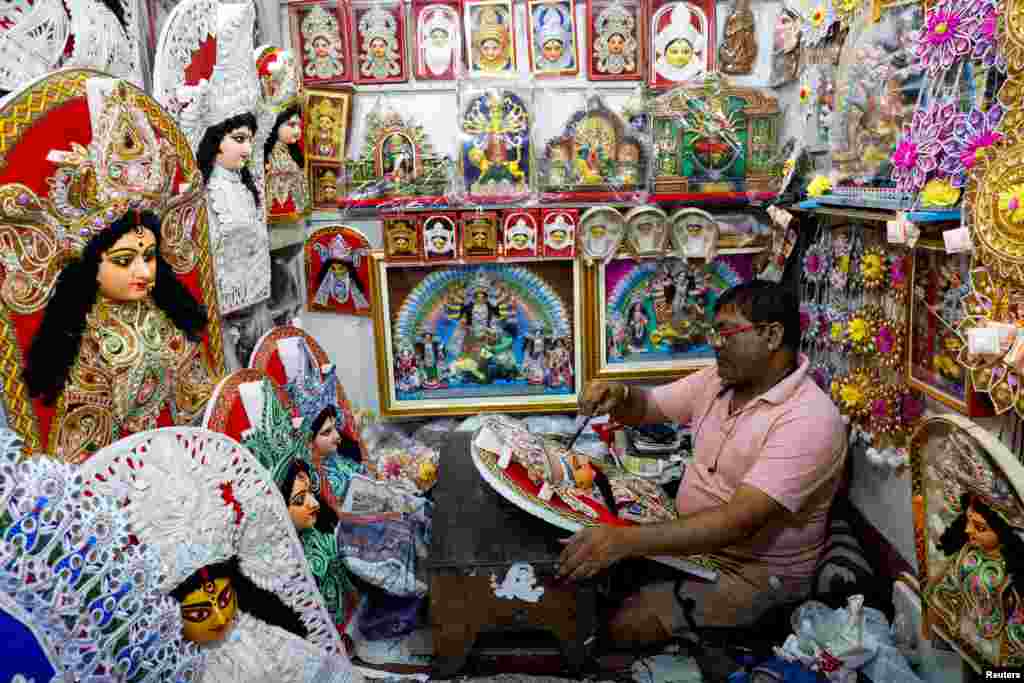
x=769, y=448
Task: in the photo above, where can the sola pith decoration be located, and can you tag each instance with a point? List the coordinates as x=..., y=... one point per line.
x=969, y=577
x=995, y=202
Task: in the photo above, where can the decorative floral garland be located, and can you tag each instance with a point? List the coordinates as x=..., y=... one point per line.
x=899, y=273
x=860, y=332
x=816, y=263
x=873, y=268
x=817, y=22
x=852, y=392
x=810, y=323
x=837, y=328
x=840, y=272
x=888, y=336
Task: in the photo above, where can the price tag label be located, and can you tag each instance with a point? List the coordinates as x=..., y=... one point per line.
x=546, y=492
x=896, y=231
x=957, y=241
x=983, y=340
x=506, y=456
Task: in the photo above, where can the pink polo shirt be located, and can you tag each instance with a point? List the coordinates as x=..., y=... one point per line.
x=789, y=442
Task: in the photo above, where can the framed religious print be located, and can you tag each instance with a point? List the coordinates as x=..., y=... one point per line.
x=968, y=524
x=597, y=156
x=520, y=233
x=495, y=146
x=479, y=235
x=682, y=41
x=402, y=238
x=467, y=338
x=615, y=39
x=379, y=48
x=558, y=230
x=338, y=271
x=326, y=122
x=325, y=184
x=489, y=27
x=438, y=48
x=320, y=34
x=397, y=159
x=551, y=34
x=714, y=137
x=440, y=231
x=941, y=281
x=650, y=318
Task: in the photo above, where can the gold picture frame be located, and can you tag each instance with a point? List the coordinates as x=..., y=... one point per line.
x=455, y=381
x=633, y=322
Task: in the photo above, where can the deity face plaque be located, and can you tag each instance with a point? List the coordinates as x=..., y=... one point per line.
x=438, y=42
x=320, y=33
x=601, y=231
x=614, y=40
x=520, y=234
x=647, y=231
x=682, y=43
x=401, y=238
x=440, y=237
x=324, y=183
x=379, y=43
x=326, y=123
x=490, y=32
x=480, y=235
x=559, y=228
x=694, y=233
x=552, y=38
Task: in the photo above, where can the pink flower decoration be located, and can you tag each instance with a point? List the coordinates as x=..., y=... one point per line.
x=985, y=49
x=948, y=36
x=921, y=149
x=885, y=340
x=972, y=132
x=813, y=263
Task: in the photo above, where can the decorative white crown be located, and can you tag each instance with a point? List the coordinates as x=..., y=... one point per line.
x=339, y=249
x=680, y=26
x=102, y=43
x=439, y=228
x=553, y=24
x=70, y=571
x=318, y=23
x=233, y=87
x=480, y=283
x=439, y=19
x=33, y=42
x=615, y=19
x=378, y=23
x=520, y=228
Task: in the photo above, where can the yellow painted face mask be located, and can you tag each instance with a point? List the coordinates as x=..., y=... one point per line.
x=208, y=612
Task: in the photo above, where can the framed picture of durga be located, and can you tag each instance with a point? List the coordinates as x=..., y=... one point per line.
x=940, y=280
x=320, y=35
x=649, y=318
x=465, y=338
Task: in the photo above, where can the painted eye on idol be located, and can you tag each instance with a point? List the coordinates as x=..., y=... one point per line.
x=127, y=270
x=208, y=612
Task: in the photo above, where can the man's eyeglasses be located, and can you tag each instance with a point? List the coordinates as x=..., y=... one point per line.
x=717, y=336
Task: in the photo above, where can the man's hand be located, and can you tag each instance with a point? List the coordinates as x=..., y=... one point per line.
x=601, y=398
x=590, y=551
